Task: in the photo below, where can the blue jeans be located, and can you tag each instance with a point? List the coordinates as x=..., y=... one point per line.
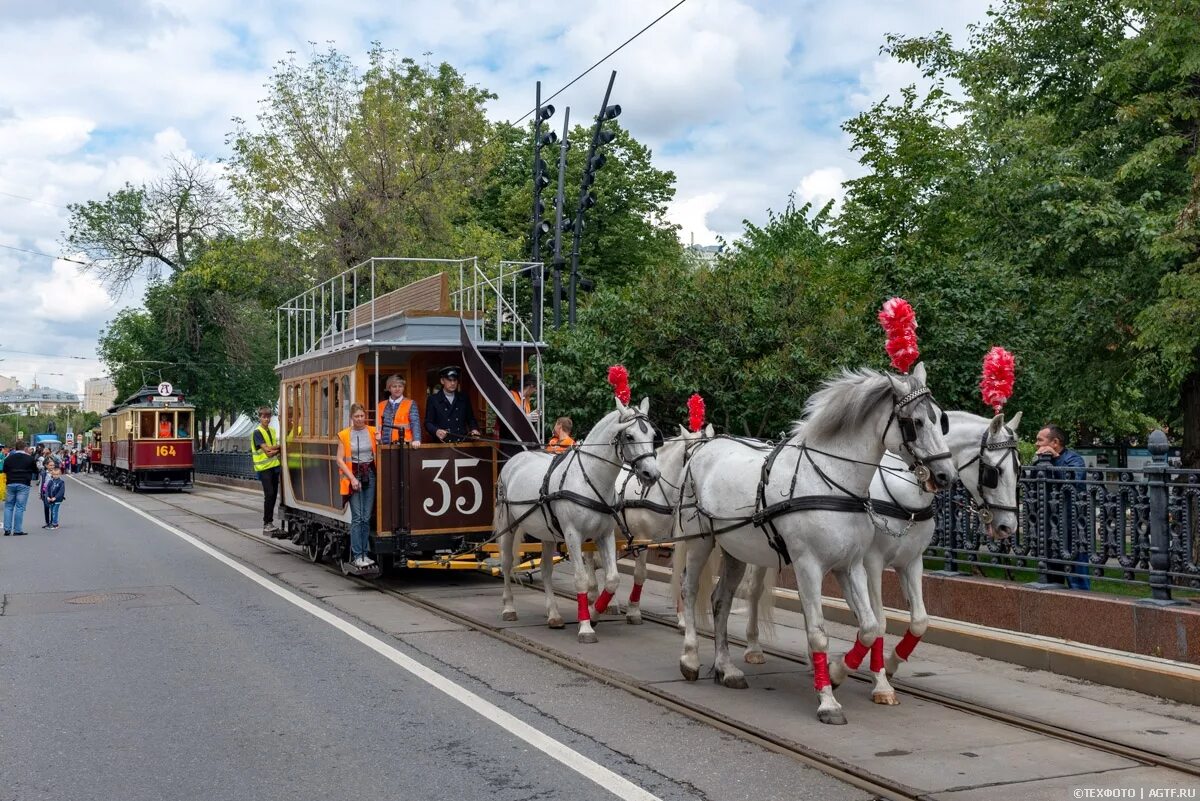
x=54, y=507
x=14, y=506
x=362, y=504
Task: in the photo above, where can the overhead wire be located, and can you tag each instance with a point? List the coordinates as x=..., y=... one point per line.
x=47, y=255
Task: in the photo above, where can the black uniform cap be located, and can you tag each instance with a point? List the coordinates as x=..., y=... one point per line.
x=449, y=372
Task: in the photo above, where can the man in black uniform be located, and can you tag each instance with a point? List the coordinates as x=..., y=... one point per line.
x=449, y=416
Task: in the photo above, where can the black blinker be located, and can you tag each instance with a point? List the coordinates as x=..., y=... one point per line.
x=989, y=476
x=945, y=424
x=908, y=429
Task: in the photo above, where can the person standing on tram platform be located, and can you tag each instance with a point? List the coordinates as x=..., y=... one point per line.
x=398, y=416
x=449, y=416
x=356, y=463
x=264, y=450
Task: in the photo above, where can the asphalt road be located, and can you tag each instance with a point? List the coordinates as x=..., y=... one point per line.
x=136, y=666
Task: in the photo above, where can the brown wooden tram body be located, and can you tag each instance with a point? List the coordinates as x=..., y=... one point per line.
x=146, y=442
x=432, y=503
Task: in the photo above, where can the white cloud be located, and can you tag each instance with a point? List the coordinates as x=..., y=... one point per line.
x=691, y=215
x=821, y=186
x=68, y=296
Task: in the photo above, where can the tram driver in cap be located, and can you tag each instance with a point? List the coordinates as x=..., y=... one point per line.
x=449, y=416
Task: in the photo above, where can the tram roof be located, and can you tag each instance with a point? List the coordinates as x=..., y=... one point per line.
x=149, y=396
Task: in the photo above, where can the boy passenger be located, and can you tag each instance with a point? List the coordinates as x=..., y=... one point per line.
x=398, y=414
x=562, y=435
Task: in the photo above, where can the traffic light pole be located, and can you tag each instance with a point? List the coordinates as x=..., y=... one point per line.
x=558, y=218
x=535, y=254
x=583, y=195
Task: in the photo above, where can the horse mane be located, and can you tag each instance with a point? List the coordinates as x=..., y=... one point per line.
x=845, y=400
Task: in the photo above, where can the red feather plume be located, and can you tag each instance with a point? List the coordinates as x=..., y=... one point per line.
x=999, y=373
x=695, y=412
x=618, y=376
x=899, y=322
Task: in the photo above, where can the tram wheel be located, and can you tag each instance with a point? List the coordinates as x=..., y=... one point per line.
x=312, y=547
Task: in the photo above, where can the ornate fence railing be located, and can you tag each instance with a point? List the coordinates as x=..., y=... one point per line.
x=1136, y=527
x=229, y=465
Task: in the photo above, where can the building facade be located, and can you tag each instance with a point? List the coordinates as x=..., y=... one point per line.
x=39, y=400
x=9, y=382
x=99, y=394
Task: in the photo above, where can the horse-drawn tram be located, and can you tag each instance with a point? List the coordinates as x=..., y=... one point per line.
x=146, y=442
x=338, y=345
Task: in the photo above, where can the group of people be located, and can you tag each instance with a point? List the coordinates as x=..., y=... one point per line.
x=449, y=418
x=21, y=467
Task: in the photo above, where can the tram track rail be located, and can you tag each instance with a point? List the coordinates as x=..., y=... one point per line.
x=844, y=771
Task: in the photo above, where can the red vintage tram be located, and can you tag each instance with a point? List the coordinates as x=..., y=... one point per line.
x=94, y=448
x=147, y=440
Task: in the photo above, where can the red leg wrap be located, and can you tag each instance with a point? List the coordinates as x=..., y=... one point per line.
x=854, y=656
x=636, y=594
x=820, y=663
x=602, y=601
x=582, y=600
x=907, y=644
x=877, y=655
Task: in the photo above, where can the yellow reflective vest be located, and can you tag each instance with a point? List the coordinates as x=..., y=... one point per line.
x=261, y=460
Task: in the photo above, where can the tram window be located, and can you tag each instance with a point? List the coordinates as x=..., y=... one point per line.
x=314, y=391
x=324, y=407
x=305, y=422
x=335, y=408
x=345, y=420
x=293, y=424
x=166, y=425
x=146, y=428
x=183, y=425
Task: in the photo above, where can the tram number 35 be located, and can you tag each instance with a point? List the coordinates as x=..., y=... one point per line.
x=468, y=500
x=165, y=450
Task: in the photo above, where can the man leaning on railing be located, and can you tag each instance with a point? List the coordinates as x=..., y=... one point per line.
x=1055, y=460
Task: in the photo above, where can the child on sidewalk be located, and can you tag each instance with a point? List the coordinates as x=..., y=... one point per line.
x=56, y=493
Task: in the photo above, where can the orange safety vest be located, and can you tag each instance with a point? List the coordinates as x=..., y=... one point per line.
x=344, y=437
x=164, y=429
x=526, y=404
x=401, y=418
x=559, y=445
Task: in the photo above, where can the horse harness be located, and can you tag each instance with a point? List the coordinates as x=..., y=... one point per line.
x=546, y=496
x=765, y=513
x=989, y=475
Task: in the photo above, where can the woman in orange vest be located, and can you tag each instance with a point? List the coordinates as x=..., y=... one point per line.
x=356, y=462
x=562, y=435
x=524, y=397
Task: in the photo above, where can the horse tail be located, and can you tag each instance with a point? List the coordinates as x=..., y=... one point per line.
x=705, y=587
x=766, y=604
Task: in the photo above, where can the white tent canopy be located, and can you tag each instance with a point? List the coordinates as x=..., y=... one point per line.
x=236, y=438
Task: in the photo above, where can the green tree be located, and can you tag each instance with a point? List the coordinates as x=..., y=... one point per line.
x=163, y=223
x=1050, y=209
x=344, y=166
x=755, y=333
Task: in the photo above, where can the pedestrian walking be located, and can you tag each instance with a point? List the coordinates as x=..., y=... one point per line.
x=56, y=493
x=20, y=470
x=264, y=450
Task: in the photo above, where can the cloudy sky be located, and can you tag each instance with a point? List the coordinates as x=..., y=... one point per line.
x=743, y=99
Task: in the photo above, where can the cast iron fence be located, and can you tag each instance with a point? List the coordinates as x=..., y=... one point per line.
x=230, y=465
x=1137, y=527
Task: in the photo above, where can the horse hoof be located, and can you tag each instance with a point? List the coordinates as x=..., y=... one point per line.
x=833, y=717
x=555, y=622
x=509, y=614
x=690, y=673
x=587, y=636
x=634, y=620
x=734, y=681
x=885, y=699
x=755, y=658
x=837, y=672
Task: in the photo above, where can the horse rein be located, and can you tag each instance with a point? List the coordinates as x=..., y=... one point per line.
x=988, y=476
x=908, y=431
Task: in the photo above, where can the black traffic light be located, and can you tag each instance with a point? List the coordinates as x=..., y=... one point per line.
x=595, y=161
x=541, y=180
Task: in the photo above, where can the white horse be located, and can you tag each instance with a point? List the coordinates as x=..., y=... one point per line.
x=647, y=510
x=763, y=507
x=573, y=498
x=984, y=455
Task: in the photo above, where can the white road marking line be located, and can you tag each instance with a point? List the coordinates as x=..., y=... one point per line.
x=605, y=778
